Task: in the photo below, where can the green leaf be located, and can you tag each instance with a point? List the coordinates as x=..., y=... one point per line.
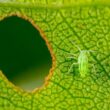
x=85, y=22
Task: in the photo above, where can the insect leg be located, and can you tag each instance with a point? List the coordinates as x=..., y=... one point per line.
x=71, y=56
x=91, y=51
x=71, y=67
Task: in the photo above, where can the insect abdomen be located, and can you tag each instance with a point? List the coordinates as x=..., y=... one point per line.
x=83, y=63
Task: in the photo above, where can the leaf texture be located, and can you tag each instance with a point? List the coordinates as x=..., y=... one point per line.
x=87, y=23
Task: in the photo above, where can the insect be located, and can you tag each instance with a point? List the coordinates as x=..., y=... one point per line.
x=82, y=62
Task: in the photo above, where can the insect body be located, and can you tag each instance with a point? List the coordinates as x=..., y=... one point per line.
x=82, y=62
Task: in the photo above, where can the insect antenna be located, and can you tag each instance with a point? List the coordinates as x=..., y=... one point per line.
x=75, y=45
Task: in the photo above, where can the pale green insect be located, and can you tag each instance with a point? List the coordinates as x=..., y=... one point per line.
x=83, y=64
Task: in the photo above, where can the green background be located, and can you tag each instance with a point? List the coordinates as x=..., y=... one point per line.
x=87, y=23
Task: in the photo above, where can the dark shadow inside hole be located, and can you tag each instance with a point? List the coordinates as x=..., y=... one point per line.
x=24, y=56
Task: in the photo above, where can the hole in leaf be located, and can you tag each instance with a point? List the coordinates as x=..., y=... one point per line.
x=24, y=56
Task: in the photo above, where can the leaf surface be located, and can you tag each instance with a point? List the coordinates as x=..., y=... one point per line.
x=87, y=23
